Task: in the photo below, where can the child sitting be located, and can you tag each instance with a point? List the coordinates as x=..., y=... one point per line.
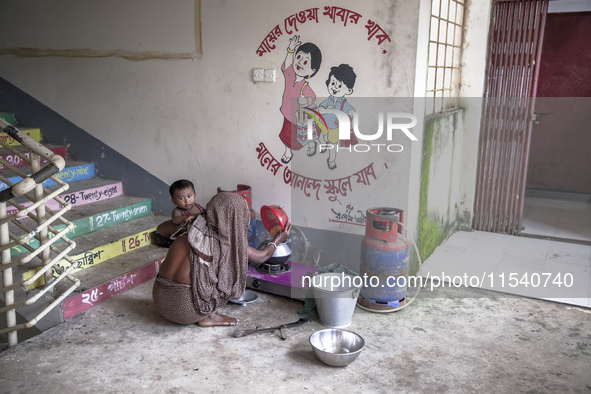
x=182, y=193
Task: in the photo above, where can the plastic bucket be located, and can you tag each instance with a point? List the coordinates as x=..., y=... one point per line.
x=336, y=296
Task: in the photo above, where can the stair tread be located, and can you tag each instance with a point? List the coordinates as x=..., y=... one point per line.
x=95, y=208
x=86, y=184
x=102, y=215
x=118, y=266
x=114, y=233
x=104, y=238
x=98, y=207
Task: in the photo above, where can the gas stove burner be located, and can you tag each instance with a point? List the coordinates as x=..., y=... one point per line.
x=289, y=285
x=273, y=269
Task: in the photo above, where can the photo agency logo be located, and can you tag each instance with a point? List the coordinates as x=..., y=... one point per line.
x=321, y=120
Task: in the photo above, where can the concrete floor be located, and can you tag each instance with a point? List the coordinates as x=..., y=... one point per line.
x=448, y=340
x=531, y=267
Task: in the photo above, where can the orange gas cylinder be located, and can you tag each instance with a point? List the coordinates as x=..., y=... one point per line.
x=384, y=261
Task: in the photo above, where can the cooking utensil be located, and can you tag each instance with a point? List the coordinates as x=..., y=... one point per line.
x=243, y=333
x=248, y=297
x=281, y=254
x=336, y=347
x=273, y=216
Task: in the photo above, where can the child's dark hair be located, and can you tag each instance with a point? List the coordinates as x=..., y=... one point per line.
x=315, y=55
x=180, y=185
x=343, y=73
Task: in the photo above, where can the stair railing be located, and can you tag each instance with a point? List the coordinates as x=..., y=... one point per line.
x=38, y=212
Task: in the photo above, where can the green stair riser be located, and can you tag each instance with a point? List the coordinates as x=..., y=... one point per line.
x=8, y=117
x=93, y=223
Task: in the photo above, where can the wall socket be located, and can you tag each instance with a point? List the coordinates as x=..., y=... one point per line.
x=262, y=75
x=258, y=75
x=269, y=75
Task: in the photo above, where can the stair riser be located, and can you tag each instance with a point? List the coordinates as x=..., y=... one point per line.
x=87, y=299
x=93, y=223
x=67, y=175
x=8, y=118
x=33, y=133
x=98, y=255
x=81, y=197
x=16, y=161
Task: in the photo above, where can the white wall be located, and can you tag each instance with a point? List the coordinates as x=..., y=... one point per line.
x=99, y=26
x=202, y=117
x=474, y=66
x=443, y=167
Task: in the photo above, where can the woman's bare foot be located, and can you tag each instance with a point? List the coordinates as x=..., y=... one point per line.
x=215, y=319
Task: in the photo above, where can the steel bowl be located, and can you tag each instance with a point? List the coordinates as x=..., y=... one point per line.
x=247, y=298
x=336, y=347
x=281, y=254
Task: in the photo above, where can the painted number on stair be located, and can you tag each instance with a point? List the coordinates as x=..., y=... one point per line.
x=92, y=297
x=15, y=160
x=101, y=220
x=136, y=241
x=120, y=215
x=96, y=256
x=70, y=198
x=93, y=195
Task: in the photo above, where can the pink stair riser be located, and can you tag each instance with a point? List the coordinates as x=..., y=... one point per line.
x=16, y=161
x=85, y=300
x=81, y=197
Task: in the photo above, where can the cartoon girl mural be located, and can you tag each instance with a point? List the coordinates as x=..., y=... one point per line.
x=302, y=62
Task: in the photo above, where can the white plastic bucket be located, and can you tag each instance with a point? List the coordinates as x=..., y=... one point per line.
x=336, y=296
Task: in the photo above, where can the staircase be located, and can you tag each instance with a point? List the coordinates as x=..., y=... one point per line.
x=112, y=231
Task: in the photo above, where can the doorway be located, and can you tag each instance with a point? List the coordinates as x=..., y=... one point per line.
x=558, y=195
x=517, y=31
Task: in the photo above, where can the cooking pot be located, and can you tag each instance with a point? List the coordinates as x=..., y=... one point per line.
x=281, y=254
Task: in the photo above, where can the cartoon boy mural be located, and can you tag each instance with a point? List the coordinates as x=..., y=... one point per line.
x=302, y=62
x=340, y=83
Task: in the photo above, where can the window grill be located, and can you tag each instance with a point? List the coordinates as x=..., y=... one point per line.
x=445, y=48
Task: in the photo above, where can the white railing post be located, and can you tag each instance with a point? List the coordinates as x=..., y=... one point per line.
x=43, y=238
x=32, y=183
x=7, y=278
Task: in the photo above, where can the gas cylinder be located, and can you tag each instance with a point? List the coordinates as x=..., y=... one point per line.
x=384, y=261
x=246, y=192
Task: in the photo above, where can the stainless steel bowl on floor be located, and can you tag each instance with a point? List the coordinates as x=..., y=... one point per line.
x=336, y=347
x=248, y=297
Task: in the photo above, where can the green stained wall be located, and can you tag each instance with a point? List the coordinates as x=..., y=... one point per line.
x=438, y=207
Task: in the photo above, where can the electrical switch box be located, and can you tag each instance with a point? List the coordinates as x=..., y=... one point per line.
x=269, y=75
x=258, y=75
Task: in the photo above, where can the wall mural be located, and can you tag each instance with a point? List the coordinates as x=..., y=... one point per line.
x=314, y=124
x=333, y=13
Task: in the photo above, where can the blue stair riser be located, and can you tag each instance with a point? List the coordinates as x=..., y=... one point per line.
x=67, y=175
